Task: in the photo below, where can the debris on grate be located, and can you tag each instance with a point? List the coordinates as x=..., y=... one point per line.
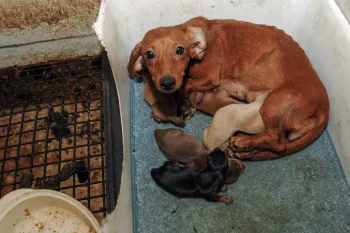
x=67, y=172
x=51, y=116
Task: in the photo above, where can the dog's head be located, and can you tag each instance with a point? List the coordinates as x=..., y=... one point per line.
x=166, y=51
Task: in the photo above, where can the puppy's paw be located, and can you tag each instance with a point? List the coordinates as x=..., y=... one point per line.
x=229, y=152
x=225, y=199
x=187, y=112
x=224, y=188
x=240, y=143
x=158, y=120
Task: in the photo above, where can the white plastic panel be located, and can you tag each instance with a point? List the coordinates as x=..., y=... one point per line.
x=319, y=26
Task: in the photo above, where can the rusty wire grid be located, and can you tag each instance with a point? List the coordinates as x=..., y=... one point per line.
x=52, y=115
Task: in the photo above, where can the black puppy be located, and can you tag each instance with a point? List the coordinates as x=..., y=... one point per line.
x=207, y=182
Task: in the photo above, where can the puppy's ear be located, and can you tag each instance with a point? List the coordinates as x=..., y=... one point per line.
x=135, y=61
x=198, y=43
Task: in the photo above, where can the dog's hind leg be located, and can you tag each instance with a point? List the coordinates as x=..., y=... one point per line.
x=255, y=155
x=264, y=155
x=283, y=111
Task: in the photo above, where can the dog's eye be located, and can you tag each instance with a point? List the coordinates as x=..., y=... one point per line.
x=149, y=55
x=180, y=50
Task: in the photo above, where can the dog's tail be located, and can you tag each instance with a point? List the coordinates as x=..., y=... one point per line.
x=307, y=139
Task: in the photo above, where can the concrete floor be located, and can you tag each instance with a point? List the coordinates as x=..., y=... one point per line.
x=305, y=192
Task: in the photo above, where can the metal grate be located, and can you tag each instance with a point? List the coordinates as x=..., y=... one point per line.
x=52, y=115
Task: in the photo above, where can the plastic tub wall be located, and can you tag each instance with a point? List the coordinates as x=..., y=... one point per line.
x=319, y=26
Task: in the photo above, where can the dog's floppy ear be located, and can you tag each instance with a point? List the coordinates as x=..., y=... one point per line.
x=135, y=61
x=198, y=43
x=195, y=30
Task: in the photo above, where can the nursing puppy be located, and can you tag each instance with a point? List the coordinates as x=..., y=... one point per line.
x=180, y=147
x=211, y=101
x=182, y=181
x=231, y=119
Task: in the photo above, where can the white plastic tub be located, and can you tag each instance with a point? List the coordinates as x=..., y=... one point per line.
x=318, y=25
x=28, y=210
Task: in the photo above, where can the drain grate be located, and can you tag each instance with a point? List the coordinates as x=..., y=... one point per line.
x=52, y=115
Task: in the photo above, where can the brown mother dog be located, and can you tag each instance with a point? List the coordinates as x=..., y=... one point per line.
x=249, y=61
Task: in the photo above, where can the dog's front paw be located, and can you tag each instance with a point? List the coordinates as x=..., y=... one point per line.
x=240, y=143
x=158, y=120
x=187, y=112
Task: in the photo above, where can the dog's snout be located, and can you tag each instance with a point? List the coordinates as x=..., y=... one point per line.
x=167, y=83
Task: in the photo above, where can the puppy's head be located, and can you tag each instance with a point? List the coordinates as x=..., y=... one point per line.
x=212, y=177
x=165, y=52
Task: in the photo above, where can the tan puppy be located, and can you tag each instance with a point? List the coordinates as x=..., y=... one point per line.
x=230, y=119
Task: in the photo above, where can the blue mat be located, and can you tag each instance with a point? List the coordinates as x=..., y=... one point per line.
x=305, y=192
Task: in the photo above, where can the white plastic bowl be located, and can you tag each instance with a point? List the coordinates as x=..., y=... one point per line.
x=44, y=211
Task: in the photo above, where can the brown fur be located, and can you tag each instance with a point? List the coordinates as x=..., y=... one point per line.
x=250, y=61
x=184, y=148
x=235, y=168
x=180, y=147
x=211, y=101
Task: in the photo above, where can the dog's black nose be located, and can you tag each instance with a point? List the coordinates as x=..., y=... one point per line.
x=167, y=83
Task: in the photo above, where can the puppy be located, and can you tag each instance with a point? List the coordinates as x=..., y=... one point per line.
x=207, y=182
x=211, y=101
x=231, y=119
x=180, y=147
